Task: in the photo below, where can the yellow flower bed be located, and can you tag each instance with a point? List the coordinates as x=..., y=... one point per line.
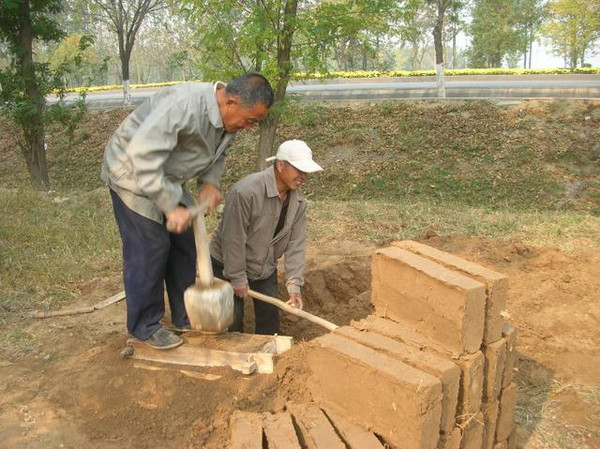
x=377, y=74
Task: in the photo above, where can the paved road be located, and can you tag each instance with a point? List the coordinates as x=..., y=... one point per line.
x=495, y=86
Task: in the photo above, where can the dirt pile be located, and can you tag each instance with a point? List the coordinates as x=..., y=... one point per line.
x=73, y=390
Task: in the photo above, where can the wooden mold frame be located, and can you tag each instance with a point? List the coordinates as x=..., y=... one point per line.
x=246, y=353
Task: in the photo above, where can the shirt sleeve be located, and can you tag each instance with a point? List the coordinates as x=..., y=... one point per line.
x=213, y=175
x=295, y=252
x=150, y=148
x=236, y=219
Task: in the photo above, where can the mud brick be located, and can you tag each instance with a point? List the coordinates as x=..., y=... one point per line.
x=316, y=430
x=246, y=430
x=402, y=332
x=495, y=362
x=441, y=303
x=490, y=417
x=446, y=371
x=472, y=436
x=450, y=440
x=396, y=401
x=471, y=366
x=279, y=431
x=354, y=436
x=496, y=284
x=510, y=335
x=471, y=385
x=506, y=414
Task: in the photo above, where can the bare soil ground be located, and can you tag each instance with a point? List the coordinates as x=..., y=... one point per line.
x=74, y=390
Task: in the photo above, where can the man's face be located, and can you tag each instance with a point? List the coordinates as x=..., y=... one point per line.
x=237, y=117
x=291, y=177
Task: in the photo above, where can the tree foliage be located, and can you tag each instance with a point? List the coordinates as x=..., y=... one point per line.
x=494, y=32
x=529, y=17
x=275, y=36
x=124, y=18
x=573, y=28
x=78, y=56
x=25, y=82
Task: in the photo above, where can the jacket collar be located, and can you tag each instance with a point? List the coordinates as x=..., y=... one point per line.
x=214, y=115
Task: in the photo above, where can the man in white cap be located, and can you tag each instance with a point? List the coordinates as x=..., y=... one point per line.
x=265, y=218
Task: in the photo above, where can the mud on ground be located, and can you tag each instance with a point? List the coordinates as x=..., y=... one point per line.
x=74, y=390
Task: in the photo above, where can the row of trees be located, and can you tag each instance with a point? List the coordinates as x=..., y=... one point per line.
x=177, y=42
x=156, y=40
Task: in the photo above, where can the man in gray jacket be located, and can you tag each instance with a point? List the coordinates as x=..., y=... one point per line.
x=264, y=219
x=180, y=134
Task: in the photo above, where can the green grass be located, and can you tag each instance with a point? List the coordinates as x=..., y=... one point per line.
x=50, y=244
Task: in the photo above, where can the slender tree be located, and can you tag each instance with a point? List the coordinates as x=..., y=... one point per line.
x=529, y=18
x=438, y=41
x=124, y=18
x=414, y=32
x=24, y=83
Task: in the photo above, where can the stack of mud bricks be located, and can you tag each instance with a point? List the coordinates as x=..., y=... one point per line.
x=434, y=366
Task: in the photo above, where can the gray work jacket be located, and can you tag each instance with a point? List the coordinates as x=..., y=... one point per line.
x=175, y=136
x=243, y=240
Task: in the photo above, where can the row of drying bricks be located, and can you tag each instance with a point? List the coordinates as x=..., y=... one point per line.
x=434, y=366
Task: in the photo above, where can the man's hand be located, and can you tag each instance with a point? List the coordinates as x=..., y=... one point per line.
x=295, y=301
x=178, y=220
x=241, y=291
x=211, y=195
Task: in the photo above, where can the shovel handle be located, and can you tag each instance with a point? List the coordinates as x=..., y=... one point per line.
x=298, y=312
x=204, y=272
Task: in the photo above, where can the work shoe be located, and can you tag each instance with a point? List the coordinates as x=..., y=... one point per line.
x=164, y=339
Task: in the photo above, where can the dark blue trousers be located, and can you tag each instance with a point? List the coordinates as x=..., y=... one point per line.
x=153, y=258
x=266, y=315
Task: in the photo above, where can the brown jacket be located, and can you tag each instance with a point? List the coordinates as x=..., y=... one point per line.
x=243, y=240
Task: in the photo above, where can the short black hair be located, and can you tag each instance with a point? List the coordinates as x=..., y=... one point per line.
x=251, y=88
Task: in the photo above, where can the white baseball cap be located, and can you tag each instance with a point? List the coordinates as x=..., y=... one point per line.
x=298, y=154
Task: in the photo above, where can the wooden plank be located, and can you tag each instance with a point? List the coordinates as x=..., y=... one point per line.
x=246, y=430
x=240, y=342
x=66, y=312
x=355, y=437
x=316, y=430
x=108, y=301
x=186, y=354
x=280, y=432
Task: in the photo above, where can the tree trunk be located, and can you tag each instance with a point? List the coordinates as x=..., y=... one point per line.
x=439, y=49
x=454, y=50
x=33, y=131
x=268, y=132
x=268, y=128
x=125, y=56
x=415, y=57
x=530, y=49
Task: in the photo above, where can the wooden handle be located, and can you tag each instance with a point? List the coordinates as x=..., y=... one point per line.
x=204, y=273
x=65, y=312
x=298, y=312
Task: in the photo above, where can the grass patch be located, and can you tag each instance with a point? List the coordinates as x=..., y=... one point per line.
x=539, y=414
x=380, y=222
x=393, y=171
x=50, y=244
